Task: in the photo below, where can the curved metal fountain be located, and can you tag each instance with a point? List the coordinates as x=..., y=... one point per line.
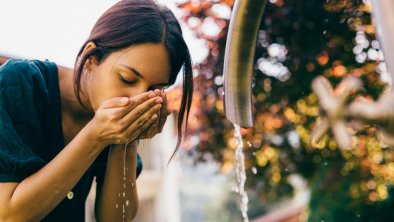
x=239, y=60
x=238, y=73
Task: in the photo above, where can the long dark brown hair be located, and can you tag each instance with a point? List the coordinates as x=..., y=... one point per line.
x=131, y=22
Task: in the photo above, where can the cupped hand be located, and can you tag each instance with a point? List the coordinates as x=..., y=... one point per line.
x=121, y=120
x=162, y=113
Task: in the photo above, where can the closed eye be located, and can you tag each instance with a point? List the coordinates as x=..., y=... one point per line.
x=126, y=81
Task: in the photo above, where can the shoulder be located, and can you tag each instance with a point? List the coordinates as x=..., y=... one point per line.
x=17, y=72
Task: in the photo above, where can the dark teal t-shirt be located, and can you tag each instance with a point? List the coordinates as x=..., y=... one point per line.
x=31, y=132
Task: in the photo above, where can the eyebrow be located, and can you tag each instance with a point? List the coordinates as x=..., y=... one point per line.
x=140, y=75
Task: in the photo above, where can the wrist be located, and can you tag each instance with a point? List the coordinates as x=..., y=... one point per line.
x=92, y=137
x=131, y=145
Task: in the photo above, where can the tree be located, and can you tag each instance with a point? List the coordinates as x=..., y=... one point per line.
x=298, y=41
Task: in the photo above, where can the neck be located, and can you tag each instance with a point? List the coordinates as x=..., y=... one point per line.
x=70, y=103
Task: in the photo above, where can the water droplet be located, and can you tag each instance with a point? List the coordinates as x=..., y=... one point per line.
x=325, y=163
x=254, y=153
x=324, y=32
x=286, y=169
x=116, y=206
x=254, y=170
x=127, y=202
x=249, y=144
x=235, y=189
x=124, y=193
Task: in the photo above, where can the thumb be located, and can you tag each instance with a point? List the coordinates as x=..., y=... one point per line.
x=115, y=102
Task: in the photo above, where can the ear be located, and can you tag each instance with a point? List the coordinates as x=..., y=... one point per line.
x=88, y=47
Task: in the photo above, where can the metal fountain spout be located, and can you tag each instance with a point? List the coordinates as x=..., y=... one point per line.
x=239, y=58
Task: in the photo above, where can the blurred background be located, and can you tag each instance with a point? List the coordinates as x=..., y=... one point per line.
x=287, y=178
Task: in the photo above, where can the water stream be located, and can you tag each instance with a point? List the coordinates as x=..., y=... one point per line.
x=124, y=180
x=240, y=171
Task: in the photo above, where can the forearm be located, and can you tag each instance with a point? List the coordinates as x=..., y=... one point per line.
x=37, y=195
x=118, y=200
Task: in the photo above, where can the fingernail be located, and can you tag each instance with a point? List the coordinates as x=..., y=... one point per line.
x=159, y=100
x=124, y=100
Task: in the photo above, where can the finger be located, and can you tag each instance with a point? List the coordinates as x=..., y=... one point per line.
x=115, y=102
x=136, y=130
x=137, y=100
x=147, y=125
x=140, y=110
x=163, y=113
x=157, y=92
x=136, y=122
x=150, y=131
x=153, y=129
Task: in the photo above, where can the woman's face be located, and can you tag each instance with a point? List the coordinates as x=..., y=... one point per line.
x=127, y=73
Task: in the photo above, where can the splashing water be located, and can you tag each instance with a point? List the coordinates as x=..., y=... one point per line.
x=241, y=175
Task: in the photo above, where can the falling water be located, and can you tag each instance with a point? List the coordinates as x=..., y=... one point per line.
x=241, y=175
x=124, y=180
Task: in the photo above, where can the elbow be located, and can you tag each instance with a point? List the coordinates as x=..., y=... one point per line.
x=14, y=217
x=5, y=213
x=9, y=217
x=9, y=214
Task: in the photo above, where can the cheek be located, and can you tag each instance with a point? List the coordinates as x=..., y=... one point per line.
x=99, y=90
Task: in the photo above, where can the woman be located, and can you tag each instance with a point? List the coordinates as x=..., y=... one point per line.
x=60, y=128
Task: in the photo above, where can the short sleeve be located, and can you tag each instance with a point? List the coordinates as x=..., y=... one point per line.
x=22, y=88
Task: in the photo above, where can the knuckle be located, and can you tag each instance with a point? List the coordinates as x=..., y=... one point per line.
x=118, y=128
x=112, y=116
x=123, y=137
